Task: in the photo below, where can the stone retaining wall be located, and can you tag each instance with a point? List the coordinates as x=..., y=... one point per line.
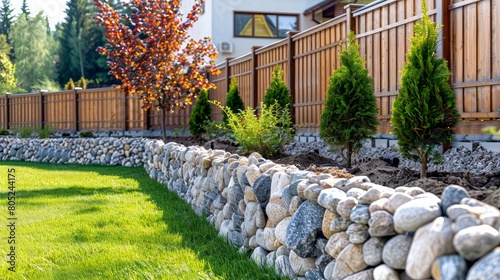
x=305, y=225
x=103, y=151
x=314, y=226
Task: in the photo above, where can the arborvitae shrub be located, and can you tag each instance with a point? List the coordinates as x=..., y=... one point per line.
x=82, y=83
x=350, y=112
x=278, y=91
x=201, y=115
x=233, y=100
x=70, y=84
x=424, y=110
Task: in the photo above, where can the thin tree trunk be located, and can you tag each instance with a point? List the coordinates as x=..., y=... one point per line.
x=423, y=168
x=81, y=57
x=349, y=154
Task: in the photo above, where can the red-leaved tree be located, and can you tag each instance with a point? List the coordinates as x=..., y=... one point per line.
x=152, y=54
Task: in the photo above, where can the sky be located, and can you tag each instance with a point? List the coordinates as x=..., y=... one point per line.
x=54, y=9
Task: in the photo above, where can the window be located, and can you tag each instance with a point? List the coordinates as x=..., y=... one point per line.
x=264, y=25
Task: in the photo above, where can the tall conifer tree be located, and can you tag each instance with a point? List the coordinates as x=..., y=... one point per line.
x=25, y=9
x=6, y=19
x=424, y=110
x=350, y=113
x=79, y=37
x=32, y=45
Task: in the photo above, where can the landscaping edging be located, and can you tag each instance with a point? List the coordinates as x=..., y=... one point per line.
x=302, y=223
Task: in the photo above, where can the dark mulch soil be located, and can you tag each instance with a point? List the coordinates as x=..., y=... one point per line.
x=485, y=188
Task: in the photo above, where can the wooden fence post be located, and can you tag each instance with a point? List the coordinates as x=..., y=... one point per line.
x=350, y=24
x=41, y=109
x=228, y=75
x=254, y=80
x=350, y=21
x=125, y=111
x=75, y=110
x=146, y=123
x=7, y=113
x=443, y=20
x=291, y=72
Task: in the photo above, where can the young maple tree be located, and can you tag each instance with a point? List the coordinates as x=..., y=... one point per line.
x=152, y=54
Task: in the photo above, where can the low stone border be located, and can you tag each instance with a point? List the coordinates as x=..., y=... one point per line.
x=103, y=151
x=305, y=225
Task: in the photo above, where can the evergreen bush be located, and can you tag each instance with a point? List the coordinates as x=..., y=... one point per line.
x=24, y=132
x=70, y=84
x=44, y=132
x=350, y=112
x=424, y=110
x=201, y=115
x=278, y=91
x=87, y=134
x=82, y=83
x=233, y=100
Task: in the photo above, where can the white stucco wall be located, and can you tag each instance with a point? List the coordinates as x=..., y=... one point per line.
x=217, y=21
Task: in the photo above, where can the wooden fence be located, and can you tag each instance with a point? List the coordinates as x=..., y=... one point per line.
x=80, y=110
x=469, y=40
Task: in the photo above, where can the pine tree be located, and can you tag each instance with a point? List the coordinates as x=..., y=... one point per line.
x=233, y=100
x=201, y=115
x=34, y=62
x=79, y=37
x=24, y=8
x=6, y=19
x=349, y=115
x=424, y=110
x=278, y=91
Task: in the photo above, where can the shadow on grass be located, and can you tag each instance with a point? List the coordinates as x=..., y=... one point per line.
x=197, y=235
x=202, y=237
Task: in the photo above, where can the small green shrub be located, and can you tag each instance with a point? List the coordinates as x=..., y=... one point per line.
x=492, y=130
x=69, y=85
x=234, y=103
x=82, y=83
x=201, y=115
x=44, y=132
x=261, y=134
x=278, y=91
x=24, y=132
x=4, y=132
x=87, y=134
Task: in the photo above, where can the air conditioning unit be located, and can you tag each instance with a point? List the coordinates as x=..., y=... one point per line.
x=226, y=47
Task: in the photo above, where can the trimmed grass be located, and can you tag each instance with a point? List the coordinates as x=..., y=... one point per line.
x=95, y=222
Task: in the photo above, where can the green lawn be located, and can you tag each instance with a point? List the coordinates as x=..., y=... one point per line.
x=95, y=222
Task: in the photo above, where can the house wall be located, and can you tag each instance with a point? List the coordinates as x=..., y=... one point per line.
x=217, y=21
